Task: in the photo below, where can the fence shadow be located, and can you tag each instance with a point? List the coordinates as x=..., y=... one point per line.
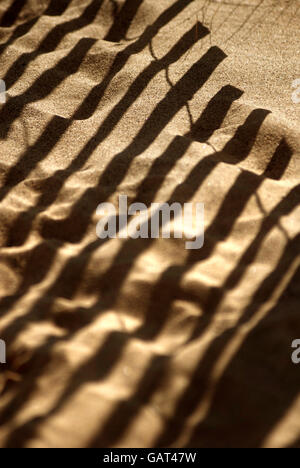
x=256, y=406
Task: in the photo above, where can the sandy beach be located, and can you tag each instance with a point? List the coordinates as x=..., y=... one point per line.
x=140, y=341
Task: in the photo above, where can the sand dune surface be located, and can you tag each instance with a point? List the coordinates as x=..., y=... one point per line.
x=124, y=342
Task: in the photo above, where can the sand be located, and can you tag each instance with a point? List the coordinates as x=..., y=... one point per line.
x=141, y=342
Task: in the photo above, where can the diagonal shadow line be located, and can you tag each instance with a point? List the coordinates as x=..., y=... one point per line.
x=121, y=58
x=209, y=121
x=185, y=191
x=126, y=411
x=272, y=413
x=123, y=20
x=204, y=167
x=38, y=307
x=235, y=276
x=106, y=355
x=45, y=83
x=116, y=170
x=19, y=31
x=41, y=251
x=12, y=13
x=270, y=222
x=48, y=138
x=190, y=398
x=158, y=304
x=91, y=102
x=23, y=29
x=48, y=81
x=57, y=7
x=212, y=118
x=59, y=178
x=111, y=431
x=93, y=372
x=185, y=88
x=282, y=209
x=246, y=184
x=204, y=66
x=9, y=301
x=116, y=340
x=228, y=94
x=279, y=162
x=48, y=44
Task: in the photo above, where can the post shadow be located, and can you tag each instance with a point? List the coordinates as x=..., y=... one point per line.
x=54, y=37
x=190, y=398
x=114, y=339
x=232, y=206
x=128, y=409
x=49, y=141
x=46, y=83
x=57, y=7
x=21, y=30
x=229, y=94
x=261, y=397
x=87, y=108
x=117, y=168
x=202, y=135
x=48, y=44
x=147, y=190
x=147, y=330
x=274, y=170
x=210, y=120
x=285, y=206
x=57, y=180
x=12, y=13
x=159, y=305
x=186, y=87
x=123, y=56
x=123, y=20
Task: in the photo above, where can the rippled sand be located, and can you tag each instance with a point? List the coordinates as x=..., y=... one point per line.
x=143, y=343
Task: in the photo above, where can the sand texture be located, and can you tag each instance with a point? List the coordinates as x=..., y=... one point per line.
x=141, y=342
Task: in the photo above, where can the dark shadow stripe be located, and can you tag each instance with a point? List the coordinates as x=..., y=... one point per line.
x=11, y=15
x=116, y=170
x=123, y=20
x=267, y=382
x=49, y=43
x=57, y=7
x=58, y=126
